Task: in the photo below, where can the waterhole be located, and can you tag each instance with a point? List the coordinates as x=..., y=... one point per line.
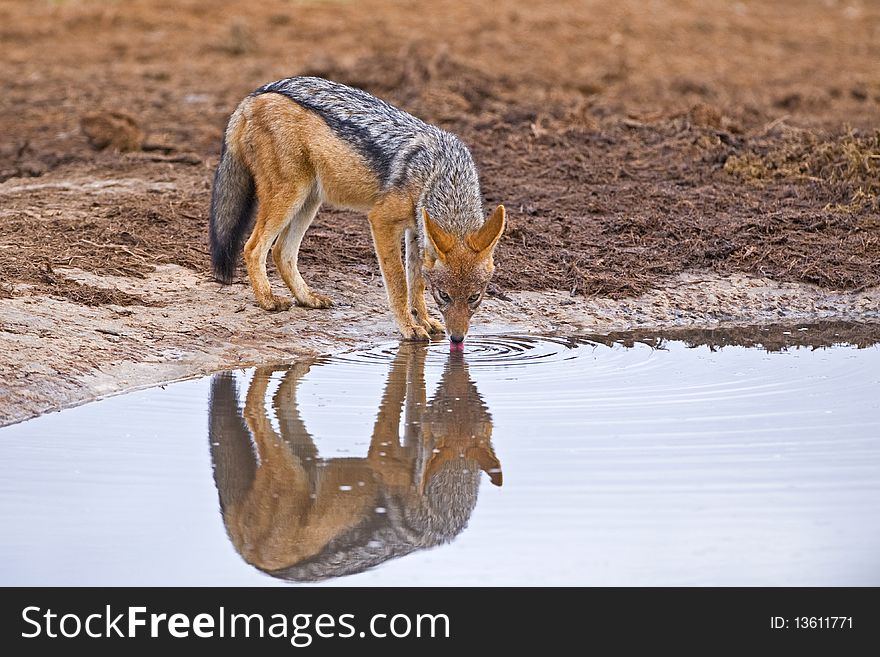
x=727, y=457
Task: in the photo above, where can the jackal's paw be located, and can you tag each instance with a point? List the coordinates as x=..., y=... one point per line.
x=315, y=301
x=432, y=326
x=275, y=304
x=414, y=332
x=298, y=370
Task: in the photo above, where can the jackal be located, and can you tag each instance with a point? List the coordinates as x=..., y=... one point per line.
x=297, y=516
x=296, y=143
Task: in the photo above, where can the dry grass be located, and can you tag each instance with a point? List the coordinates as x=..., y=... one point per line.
x=846, y=165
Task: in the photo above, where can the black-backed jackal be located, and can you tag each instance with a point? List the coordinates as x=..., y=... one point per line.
x=296, y=143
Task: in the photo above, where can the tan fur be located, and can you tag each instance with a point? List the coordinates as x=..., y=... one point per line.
x=297, y=162
x=293, y=508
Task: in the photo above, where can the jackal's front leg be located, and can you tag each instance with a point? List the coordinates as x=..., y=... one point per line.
x=416, y=285
x=387, y=229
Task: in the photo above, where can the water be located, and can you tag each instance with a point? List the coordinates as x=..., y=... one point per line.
x=620, y=460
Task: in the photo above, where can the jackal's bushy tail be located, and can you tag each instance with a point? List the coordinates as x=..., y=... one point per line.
x=232, y=207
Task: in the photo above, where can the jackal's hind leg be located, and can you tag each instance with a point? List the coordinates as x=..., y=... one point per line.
x=416, y=285
x=285, y=253
x=272, y=215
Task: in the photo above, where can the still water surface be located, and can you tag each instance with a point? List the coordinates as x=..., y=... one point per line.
x=624, y=460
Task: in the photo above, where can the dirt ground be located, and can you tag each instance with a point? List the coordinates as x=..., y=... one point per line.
x=716, y=160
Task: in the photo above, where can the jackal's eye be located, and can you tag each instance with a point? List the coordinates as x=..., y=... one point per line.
x=474, y=298
x=443, y=296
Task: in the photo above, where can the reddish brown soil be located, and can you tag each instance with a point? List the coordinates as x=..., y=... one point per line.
x=629, y=140
x=772, y=337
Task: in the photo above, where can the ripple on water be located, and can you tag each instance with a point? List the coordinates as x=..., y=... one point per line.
x=483, y=350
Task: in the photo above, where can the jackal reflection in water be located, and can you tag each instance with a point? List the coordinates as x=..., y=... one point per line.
x=298, y=516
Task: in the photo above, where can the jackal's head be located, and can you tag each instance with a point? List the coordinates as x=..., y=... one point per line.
x=460, y=268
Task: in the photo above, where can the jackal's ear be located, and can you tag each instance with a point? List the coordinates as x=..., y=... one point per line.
x=489, y=233
x=490, y=464
x=439, y=238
